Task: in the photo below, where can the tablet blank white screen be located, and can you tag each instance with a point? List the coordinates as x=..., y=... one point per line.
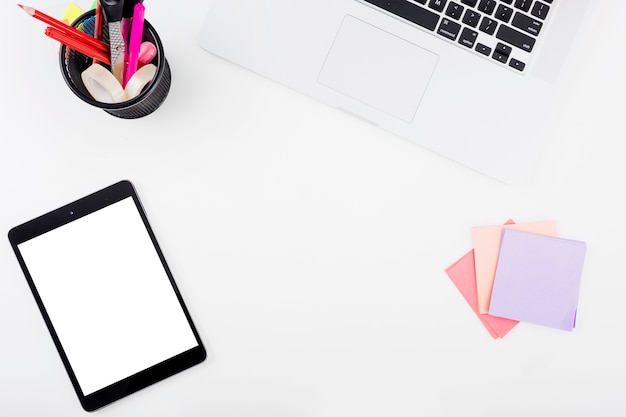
x=107, y=295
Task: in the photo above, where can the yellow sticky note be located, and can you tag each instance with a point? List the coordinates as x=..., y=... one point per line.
x=72, y=12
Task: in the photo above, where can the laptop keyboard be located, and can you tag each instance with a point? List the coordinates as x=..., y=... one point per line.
x=505, y=31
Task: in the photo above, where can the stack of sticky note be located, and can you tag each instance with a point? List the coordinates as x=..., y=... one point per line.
x=521, y=273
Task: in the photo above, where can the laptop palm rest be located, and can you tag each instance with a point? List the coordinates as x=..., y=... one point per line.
x=378, y=69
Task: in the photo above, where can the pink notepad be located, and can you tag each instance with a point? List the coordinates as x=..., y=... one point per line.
x=538, y=279
x=463, y=275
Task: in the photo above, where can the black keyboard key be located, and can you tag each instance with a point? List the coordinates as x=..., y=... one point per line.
x=470, y=3
x=471, y=18
x=504, y=13
x=527, y=24
x=502, y=52
x=540, y=10
x=507, y=1
x=518, y=65
x=468, y=37
x=523, y=4
x=483, y=49
x=503, y=49
x=516, y=38
x=454, y=10
x=500, y=57
x=409, y=11
x=488, y=26
x=487, y=6
x=449, y=29
x=437, y=5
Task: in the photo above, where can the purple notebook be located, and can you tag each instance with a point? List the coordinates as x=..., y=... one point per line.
x=538, y=279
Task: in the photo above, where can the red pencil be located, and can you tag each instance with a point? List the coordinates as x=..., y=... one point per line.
x=99, y=21
x=69, y=30
x=77, y=45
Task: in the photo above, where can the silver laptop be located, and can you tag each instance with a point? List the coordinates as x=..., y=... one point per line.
x=472, y=80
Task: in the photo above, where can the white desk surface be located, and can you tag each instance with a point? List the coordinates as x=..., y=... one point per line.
x=310, y=246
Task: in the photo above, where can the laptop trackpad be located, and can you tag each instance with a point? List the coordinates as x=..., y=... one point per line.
x=378, y=68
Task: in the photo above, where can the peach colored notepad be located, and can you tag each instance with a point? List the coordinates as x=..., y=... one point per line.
x=486, y=241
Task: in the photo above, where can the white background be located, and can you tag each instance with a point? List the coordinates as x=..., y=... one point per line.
x=310, y=246
x=108, y=297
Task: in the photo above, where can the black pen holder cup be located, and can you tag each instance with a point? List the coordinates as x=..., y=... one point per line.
x=152, y=95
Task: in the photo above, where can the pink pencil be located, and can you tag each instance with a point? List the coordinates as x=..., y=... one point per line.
x=136, y=37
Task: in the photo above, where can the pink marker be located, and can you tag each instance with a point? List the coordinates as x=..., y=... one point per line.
x=134, y=46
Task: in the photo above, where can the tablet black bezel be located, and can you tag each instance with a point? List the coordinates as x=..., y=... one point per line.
x=71, y=212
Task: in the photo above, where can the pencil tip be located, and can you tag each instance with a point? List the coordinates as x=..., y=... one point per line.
x=27, y=9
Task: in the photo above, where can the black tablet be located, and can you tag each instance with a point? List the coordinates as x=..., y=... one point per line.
x=107, y=295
